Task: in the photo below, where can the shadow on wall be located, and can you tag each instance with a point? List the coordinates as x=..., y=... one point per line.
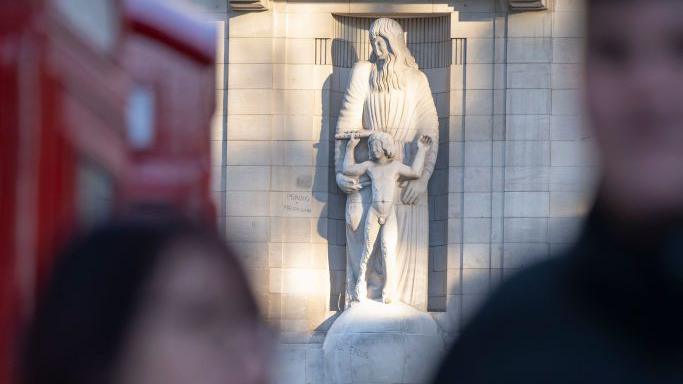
x=332, y=226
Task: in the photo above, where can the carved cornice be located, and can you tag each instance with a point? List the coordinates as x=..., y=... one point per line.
x=528, y=5
x=249, y=5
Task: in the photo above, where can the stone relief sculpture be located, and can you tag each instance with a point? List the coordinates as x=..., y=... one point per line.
x=380, y=220
x=387, y=94
x=388, y=103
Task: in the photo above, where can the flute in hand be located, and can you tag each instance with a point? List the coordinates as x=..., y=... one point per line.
x=347, y=134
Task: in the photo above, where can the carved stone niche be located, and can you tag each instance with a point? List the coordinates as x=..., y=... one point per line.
x=249, y=5
x=528, y=5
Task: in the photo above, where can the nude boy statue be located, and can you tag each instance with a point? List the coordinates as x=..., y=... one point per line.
x=384, y=173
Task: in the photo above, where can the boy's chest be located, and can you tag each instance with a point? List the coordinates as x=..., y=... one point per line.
x=383, y=172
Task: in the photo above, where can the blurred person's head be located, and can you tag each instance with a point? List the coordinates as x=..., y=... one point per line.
x=634, y=73
x=142, y=302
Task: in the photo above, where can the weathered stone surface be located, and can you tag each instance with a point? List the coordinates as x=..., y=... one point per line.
x=381, y=343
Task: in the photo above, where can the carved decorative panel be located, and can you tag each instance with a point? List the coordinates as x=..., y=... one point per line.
x=459, y=46
x=428, y=39
x=322, y=51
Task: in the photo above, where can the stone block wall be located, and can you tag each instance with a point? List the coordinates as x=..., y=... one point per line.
x=277, y=165
x=521, y=163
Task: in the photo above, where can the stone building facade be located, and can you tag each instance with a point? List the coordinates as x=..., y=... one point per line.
x=512, y=180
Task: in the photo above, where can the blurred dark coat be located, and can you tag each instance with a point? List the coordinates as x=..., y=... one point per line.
x=608, y=311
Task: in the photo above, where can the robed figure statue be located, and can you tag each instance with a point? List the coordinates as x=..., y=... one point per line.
x=388, y=94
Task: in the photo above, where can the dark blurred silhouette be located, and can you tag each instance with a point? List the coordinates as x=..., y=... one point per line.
x=609, y=310
x=143, y=301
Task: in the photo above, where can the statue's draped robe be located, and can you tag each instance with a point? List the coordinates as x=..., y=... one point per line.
x=405, y=114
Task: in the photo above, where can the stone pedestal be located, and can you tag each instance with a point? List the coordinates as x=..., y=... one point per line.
x=382, y=343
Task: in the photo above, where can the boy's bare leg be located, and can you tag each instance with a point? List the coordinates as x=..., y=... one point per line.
x=372, y=228
x=389, y=246
x=350, y=283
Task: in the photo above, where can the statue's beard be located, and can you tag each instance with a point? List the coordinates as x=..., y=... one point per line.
x=384, y=74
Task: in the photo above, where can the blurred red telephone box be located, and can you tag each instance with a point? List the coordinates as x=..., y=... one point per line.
x=63, y=145
x=171, y=57
x=105, y=106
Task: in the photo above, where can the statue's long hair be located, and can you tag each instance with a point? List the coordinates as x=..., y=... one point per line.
x=384, y=76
